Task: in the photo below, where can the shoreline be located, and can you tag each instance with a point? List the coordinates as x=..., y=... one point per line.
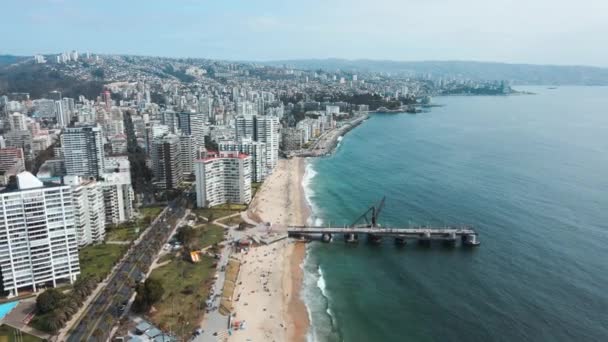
x=270, y=281
x=326, y=143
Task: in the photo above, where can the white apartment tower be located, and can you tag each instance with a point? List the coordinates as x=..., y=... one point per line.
x=255, y=149
x=83, y=151
x=267, y=131
x=223, y=177
x=89, y=210
x=38, y=244
x=118, y=193
x=61, y=115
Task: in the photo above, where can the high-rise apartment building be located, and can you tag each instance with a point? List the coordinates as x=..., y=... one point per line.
x=38, y=244
x=255, y=149
x=245, y=127
x=83, y=151
x=62, y=115
x=223, y=177
x=263, y=129
x=89, y=210
x=117, y=190
x=194, y=124
x=267, y=131
x=188, y=152
x=166, y=161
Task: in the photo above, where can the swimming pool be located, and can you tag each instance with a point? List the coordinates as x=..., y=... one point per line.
x=7, y=307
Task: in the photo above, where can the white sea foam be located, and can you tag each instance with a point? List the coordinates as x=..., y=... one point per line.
x=322, y=286
x=315, y=296
x=309, y=175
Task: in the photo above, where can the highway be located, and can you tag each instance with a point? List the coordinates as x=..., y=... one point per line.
x=103, y=313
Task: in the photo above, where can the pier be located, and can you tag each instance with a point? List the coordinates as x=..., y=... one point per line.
x=423, y=235
x=374, y=232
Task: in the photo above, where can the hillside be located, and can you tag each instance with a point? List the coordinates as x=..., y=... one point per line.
x=523, y=74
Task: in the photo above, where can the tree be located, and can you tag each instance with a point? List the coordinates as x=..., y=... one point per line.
x=53, y=322
x=49, y=300
x=186, y=235
x=148, y=293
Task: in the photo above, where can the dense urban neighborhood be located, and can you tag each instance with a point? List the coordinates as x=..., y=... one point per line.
x=122, y=174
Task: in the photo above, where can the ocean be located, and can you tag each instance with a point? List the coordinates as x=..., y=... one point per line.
x=530, y=172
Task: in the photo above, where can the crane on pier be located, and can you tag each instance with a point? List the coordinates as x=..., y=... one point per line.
x=371, y=222
x=374, y=210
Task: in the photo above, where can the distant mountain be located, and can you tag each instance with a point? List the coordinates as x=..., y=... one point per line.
x=522, y=74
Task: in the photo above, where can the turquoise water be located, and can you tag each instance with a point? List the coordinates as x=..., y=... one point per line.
x=529, y=172
x=7, y=307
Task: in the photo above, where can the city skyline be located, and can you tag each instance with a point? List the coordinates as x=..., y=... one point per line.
x=270, y=30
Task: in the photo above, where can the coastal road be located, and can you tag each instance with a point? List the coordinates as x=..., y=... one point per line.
x=103, y=313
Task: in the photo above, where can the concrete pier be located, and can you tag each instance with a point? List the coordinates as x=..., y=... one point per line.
x=350, y=237
x=423, y=235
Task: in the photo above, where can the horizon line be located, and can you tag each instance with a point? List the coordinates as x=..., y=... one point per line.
x=299, y=59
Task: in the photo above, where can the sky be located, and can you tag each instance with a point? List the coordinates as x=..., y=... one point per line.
x=560, y=32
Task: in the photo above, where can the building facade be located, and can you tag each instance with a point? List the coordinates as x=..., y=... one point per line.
x=267, y=131
x=38, y=245
x=223, y=177
x=83, y=151
x=255, y=149
x=89, y=210
x=166, y=162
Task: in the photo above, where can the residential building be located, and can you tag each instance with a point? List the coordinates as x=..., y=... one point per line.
x=267, y=131
x=17, y=122
x=188, y=152
x=245, y=127
x=38, y=245
x=62, y=115
x=166, y=161
x=223, y=177
x=83, y=151
x=89, y=210
x=255, y=149
x=12, y=162
x=117, y=190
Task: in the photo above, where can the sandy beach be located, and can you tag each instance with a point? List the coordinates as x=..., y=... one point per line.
x=267, y=296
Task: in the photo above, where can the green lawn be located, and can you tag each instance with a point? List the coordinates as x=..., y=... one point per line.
x=124, y=232
x=129, y=231
x=151, y=212
x=10, y=334
x=210, y=234
x=98, y=260
x=186, y=287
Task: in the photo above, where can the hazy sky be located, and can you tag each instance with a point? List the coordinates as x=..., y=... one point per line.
x=531, y=31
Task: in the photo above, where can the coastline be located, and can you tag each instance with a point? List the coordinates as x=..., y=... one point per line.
x=327, y=142
x=270, y=280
